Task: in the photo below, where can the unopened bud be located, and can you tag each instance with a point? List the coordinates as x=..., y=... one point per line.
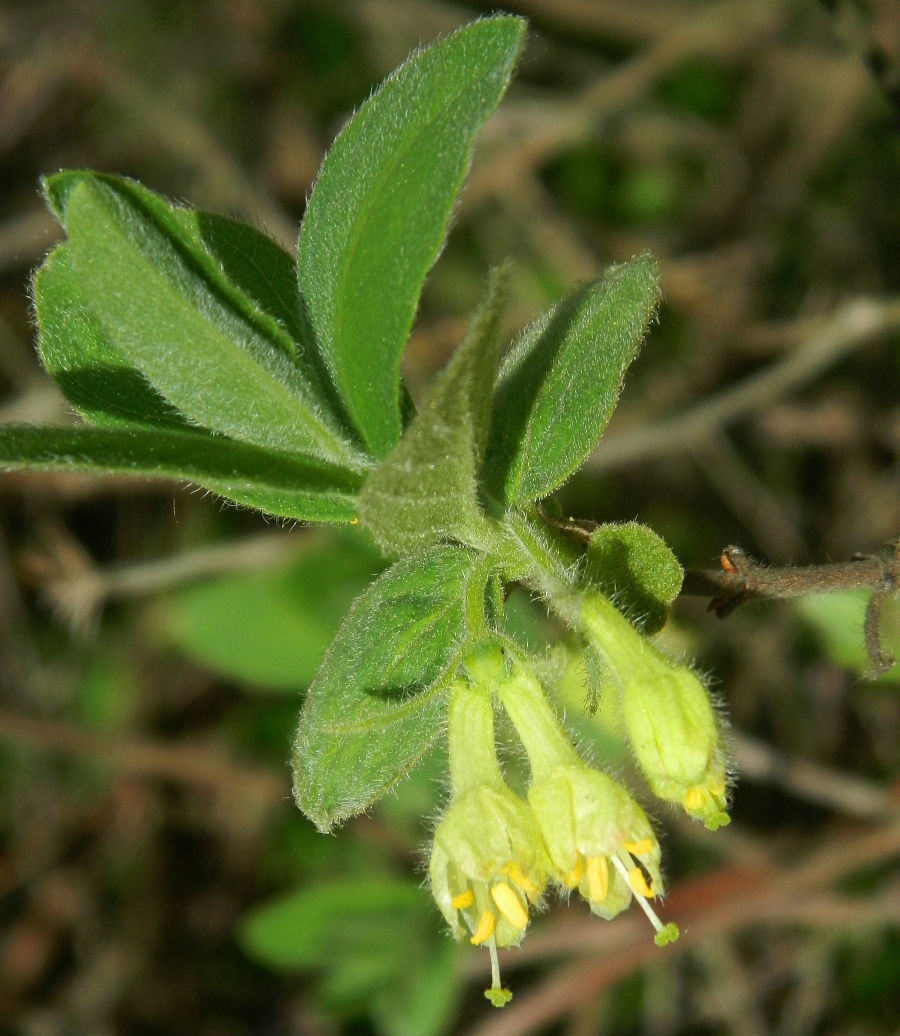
x=667, y=714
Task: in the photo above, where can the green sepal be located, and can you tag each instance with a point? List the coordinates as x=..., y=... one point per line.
x=379, y=213
x=558, y=387
x=633, y=565
x=426, y=492
x=378, y=702
x=168, y=305
x=282, y=484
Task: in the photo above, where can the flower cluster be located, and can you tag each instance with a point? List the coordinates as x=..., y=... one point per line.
x=495, y=853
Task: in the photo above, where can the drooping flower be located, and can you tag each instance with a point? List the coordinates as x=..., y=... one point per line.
x=598, y=839
x=488, y=865
x=667, y=714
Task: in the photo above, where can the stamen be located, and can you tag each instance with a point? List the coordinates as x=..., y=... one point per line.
x=693, y=799
x=575, y=875
x=717, y=788
x=639, y=896
x=638, y=883
x=463, y=900
x=598, y=878
x=639, y=848
x=484, y=930
x=513, y=871
x=509, y=904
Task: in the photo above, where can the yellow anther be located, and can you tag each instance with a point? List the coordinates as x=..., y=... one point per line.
x=598, y=878
x=639, y=883
x=717, y=788
x=575, y=875
x=484, y=930
x=639, y=848
x=463, y=900
x=693, y=799
x=509, y=904
x=354, y=521
x=518, y=877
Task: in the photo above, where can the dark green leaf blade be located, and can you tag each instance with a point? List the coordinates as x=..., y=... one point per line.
x=211, y=356
x=377, y=703
x=282, y=484
x=239, y=262
x=559, y=386
x=378, y=215
x=75, y=349
x=635, y=566
x=427, y=490
x=267, y=275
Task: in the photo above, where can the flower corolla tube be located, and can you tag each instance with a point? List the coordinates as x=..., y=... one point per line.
x=667, y=714
x=597, y=838
x=488, y=865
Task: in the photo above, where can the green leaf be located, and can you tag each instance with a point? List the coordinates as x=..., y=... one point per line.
x=283, y=484
x=321, y=927
x=270, y=629
x=94, y=376
x=267, y=275
x=377, y=704
x=427, y=490
x=241, y=264
x=559, y=386
x=379, y=213
x=633, y=565
x=168, y=308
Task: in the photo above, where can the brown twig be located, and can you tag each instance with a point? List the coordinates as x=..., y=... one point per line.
x=741, y=579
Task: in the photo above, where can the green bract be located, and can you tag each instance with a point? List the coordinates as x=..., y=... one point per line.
x=195, y=348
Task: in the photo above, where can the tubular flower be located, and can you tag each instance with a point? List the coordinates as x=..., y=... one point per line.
x=598, y=839
x=667, y=713
x=488, y=865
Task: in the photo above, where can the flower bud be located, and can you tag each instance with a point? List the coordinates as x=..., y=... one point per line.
x=598, y=839
x=667, y=714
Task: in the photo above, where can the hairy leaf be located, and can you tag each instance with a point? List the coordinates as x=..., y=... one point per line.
x=427, y=490
x=377, y=703
x=559, y=386
x=168, y=308
x=378, y=216
x=632, y=564
x=93, y=375
x=282, y=484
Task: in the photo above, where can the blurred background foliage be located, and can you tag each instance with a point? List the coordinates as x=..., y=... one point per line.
x=154, y=646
